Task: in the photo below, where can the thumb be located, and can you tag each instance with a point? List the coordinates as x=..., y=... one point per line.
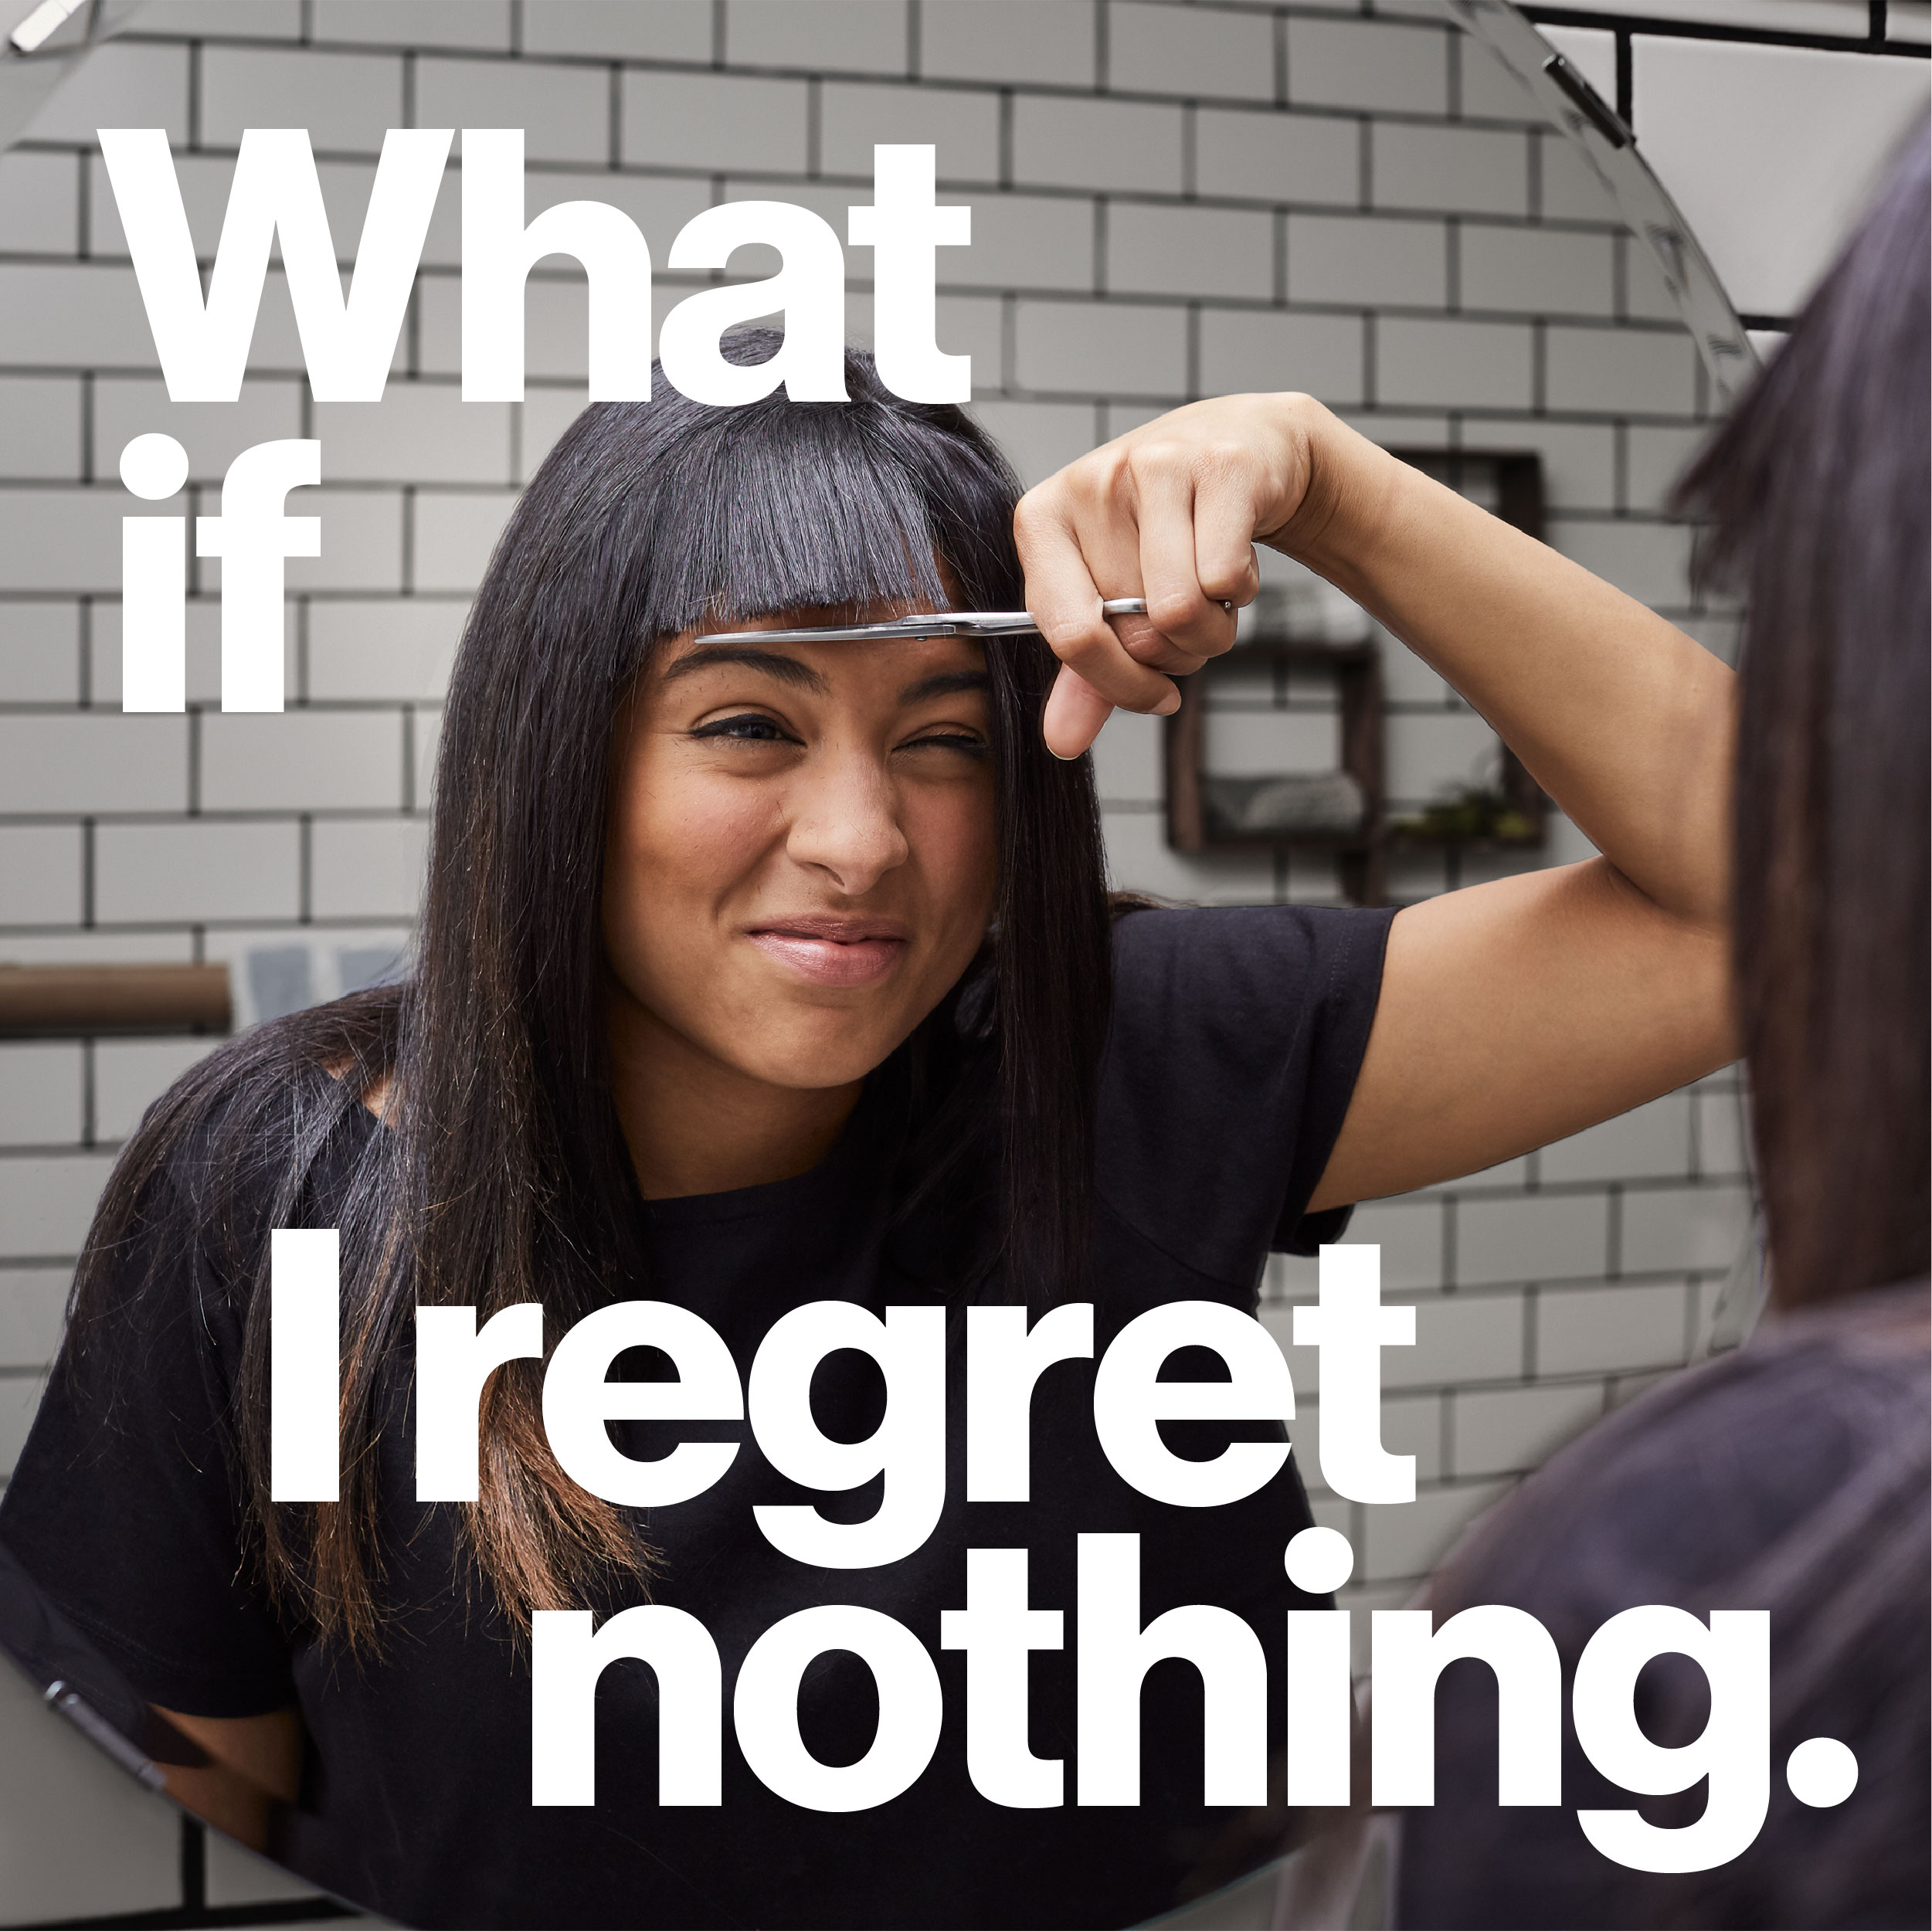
x=1075, y=712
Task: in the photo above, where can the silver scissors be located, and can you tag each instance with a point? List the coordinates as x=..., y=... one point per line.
x=937, y=624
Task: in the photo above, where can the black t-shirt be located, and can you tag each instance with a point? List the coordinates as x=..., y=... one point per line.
x=1233, y=1048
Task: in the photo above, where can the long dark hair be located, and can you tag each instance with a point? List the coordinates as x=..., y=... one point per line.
x=504, y=1177
x=1818, y=487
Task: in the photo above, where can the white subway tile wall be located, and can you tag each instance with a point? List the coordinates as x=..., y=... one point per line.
x=1169, y=200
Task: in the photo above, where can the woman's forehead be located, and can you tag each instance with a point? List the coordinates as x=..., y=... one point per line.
x=823, y=668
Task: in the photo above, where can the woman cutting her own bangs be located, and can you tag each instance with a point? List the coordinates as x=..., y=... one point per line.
x=758, y=970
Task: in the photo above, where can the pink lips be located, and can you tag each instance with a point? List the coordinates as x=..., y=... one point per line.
x=833, y=951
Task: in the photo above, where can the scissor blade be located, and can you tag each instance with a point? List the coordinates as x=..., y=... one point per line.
x=935, y=623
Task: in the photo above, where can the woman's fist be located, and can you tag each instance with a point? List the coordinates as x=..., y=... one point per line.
x=1170, y=512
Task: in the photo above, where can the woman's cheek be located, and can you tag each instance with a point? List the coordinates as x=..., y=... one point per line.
x=676, y=844
x=953, y=830
x=705, y=831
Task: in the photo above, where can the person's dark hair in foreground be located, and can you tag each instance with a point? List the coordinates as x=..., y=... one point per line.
x=1791, y=1476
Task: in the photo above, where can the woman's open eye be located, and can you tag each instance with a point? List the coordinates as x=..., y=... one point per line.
x=749, y=727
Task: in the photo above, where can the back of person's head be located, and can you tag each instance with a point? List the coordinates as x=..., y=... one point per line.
x=1819, y=489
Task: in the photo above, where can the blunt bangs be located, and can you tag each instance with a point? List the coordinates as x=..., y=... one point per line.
x=813, y=519
x=726, y=515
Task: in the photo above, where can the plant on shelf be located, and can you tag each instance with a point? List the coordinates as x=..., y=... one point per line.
x=1475, y=811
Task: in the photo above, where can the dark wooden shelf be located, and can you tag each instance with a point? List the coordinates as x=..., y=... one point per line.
x=1357, y=670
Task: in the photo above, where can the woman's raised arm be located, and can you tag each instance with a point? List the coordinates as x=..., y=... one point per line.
x=1511, y=1013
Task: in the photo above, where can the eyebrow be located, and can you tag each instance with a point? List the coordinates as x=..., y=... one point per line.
x=774, y=663
x=801, y=676
x=943, y=685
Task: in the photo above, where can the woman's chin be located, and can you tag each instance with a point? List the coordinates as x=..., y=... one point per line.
x=810, y=1049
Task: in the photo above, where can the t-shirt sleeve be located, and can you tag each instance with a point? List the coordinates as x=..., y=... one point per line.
x=126, y=1505
x=1235, y=1040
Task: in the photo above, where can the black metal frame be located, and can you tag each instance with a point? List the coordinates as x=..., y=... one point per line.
x=1625, y=26
x=194, y=1913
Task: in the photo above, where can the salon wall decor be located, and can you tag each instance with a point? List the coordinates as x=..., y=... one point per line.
x=1302, y=644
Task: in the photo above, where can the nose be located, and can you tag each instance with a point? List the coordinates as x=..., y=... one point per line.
x=845, y=820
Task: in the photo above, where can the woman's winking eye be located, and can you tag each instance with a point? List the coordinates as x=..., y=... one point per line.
x=948, y=737
x=753, y=726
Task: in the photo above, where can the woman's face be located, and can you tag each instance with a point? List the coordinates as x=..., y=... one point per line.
x=799, y=859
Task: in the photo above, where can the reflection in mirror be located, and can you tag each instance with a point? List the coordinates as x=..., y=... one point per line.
x=1366, y=208
x=1531, y=347
x=1600, y=138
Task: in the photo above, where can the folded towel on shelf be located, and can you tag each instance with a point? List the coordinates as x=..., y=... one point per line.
x=1321, y=802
